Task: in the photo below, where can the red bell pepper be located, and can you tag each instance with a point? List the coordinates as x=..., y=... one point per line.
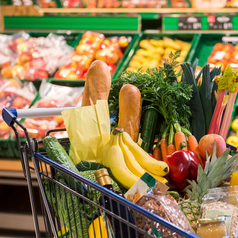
x=183, y=165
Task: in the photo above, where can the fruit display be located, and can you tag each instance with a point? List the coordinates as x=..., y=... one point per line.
x=232, y=138
x=14, y=95
x=224, y=55
x=34, y=58
x=93, y=46
x=152, y=52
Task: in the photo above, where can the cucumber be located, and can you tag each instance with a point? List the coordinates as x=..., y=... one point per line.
x=56, y=152
x=148, y=129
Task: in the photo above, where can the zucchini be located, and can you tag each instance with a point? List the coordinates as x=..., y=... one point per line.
x=148, y=129
x=56, y=152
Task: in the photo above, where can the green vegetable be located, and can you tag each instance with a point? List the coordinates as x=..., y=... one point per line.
x=68, y=208
x=148, y=129
x=159, y=90
x=56, y=152
x=198, y=121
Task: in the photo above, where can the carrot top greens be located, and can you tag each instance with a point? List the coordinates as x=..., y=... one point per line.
x=159, y=89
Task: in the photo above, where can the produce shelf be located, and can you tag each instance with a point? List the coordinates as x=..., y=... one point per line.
x=205, y=43
x=191, y=38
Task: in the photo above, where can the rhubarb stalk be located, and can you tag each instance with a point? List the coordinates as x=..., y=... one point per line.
x=220, y=114
x=213, y=123
x=227, y=116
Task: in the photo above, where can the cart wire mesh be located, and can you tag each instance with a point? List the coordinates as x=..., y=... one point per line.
x=71, y=202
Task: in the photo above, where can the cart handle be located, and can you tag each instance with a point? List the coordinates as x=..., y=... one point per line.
x=10, y=114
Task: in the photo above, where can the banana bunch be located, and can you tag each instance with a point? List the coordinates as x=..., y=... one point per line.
x=152, y=51
x=128, y=161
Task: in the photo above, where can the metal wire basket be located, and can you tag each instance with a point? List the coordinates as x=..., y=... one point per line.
x=71, y=202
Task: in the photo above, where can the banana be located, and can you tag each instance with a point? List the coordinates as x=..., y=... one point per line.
x=118, y=166
x=105, y=151
x=130, y=160
x=156, y=167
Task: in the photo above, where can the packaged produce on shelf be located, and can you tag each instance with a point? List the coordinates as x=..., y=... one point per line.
x=46, y=3
x=93, y=46
x=35, y=58
x=13, y=94
x=51, y=96
x=224, y=55
x=152, y=52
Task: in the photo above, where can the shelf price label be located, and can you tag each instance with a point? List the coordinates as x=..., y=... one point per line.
x=220, y=22
x=189, y=23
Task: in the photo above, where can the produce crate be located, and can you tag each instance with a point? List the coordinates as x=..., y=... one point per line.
x=77, y=83
x=204, y=45
x=190, y=38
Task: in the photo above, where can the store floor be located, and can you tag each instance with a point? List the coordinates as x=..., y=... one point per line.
x=15, y=212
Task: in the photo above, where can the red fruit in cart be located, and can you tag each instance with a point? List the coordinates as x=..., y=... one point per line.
x=227, y=56
x=41, y=74
x=218, y=46
x=207, y=143
x=13, y=45
x=6, y=72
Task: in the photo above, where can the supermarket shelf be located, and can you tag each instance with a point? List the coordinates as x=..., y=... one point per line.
x=139, y=10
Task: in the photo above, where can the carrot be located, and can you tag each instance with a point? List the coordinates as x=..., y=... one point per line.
x=157, y=153
x=163, y=147
x=179, y=136
x=170, y=149
x=171, y=146
x=164, y=143
x=193, y=145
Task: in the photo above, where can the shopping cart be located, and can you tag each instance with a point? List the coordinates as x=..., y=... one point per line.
x=70, y=202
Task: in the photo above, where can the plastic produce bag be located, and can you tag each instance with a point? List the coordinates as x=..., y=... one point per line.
x=52, y=95
x=164, y=206
x=89, y=130
x=34, y=58
x=220, y=202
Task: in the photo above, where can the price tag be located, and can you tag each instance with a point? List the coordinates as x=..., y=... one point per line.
x=219, y=55
x=189, y=23
x=220, y=22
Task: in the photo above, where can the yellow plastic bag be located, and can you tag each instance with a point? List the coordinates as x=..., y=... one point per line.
x=88, y=129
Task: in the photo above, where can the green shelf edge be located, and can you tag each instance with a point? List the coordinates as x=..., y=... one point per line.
x=116, y=23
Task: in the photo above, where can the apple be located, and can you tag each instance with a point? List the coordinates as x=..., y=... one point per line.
x=58, y=119
x=227, y=56
x=18, y=72
x=41, y=74
x=23, y=58
x=228, y=48
x=211, y=60
x=236, y=47
x=6, y=72
x=206, y=143
x=72, y=76
x=19, y=102
x=218, y=46
x=22, y=47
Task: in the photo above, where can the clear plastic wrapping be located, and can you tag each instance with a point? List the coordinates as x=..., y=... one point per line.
x=222, y=202
x=166, y=207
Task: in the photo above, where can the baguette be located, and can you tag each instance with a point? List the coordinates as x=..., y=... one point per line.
x=130, y=106
x=86, y=101
x=99, y=81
